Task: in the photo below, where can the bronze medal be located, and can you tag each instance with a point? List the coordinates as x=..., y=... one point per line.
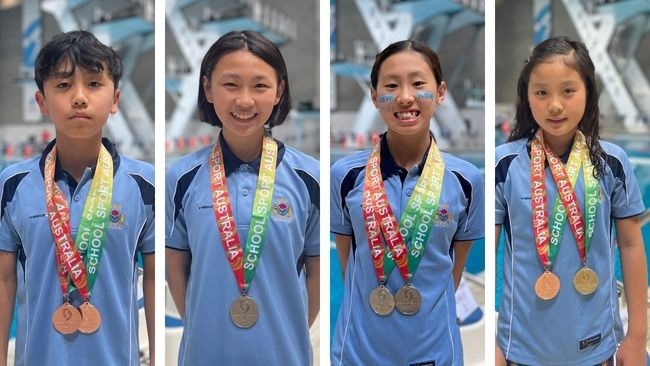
x=547, y=286
x=90, y=318
x=585, y=281
x=382, y=301
x=66, y=319
x=244, y=312
x=408, y=300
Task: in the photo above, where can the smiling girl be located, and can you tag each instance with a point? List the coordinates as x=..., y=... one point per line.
x=242, y=220
x=404, y=204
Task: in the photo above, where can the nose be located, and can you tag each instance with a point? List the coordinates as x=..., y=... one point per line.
x=555, y=107
x=244, y=99
x=404, y=96
x=79, y=99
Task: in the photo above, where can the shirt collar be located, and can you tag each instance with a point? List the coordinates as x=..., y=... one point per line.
x=232, y=163
x=58, y=171
x=388, y=165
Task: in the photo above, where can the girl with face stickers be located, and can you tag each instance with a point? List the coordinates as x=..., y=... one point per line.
x=404, y=216
x=560, y=193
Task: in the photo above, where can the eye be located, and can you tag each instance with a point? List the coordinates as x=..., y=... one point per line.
x=569, y=91
x=419, y=83
x=229, y=84
x=261, y=86
x=390, y=86
x=63, y=85
x=94, y=84
x=540, y=93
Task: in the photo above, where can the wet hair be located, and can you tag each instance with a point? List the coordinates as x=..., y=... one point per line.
x=259, y=46
x=575, y=55
x=79, y=48
x=408, y=45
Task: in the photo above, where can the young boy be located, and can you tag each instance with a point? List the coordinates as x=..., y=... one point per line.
x=73, y=220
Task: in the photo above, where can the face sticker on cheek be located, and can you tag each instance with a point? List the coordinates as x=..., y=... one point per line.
x=385, y=100
x=424, y=96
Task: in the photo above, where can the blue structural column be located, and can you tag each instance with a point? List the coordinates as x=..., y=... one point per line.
x=31, y=44
x=542, y=20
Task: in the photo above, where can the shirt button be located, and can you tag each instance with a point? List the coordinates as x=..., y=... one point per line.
x=76, y=198
x=244, y=191
x=409, y=192
x=244, y=168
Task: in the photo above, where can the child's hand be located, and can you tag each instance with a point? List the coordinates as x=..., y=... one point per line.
x=631, y=352
x=500, y=360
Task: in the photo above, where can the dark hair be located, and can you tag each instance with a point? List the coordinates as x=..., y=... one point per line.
x=259, y=46
x=576, y=56
x=407, y=45
x=80, y=48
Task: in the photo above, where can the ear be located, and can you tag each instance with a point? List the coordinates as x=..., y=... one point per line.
x=40, y=100
x=206, y=89
x=442, y=90
x=278, y=95
x=373, y=96
x=116, y=101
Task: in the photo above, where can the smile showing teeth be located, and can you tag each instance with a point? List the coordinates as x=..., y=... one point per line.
x=407, y=115
x=240, y=115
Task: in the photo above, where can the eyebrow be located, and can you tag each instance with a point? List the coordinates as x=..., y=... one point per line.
x=237, y=76
x=410, y=75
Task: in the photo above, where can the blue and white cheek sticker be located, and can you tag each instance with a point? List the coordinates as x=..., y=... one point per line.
x=424, y=96
x=384, y=100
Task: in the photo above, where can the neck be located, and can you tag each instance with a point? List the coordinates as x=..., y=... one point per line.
x=246, y=148
x=407, y=151
x=75, y=156
x=559, y=144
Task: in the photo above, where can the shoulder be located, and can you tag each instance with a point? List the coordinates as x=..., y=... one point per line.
x=300, y=161
x=512, y=148
x=189, y=162
x=137, y=167
x=613, y=150
x=462, y=167
x=20, y=169
x=343, y=166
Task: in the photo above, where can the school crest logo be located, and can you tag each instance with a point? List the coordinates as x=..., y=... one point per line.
x=116, y=217
x=443, y=216
x=282, y=210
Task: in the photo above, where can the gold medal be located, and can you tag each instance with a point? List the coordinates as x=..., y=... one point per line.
x=547, y=286
x=382, y=301
x=66, y=319
x=244, y=312
x=90, y=318
x=408, y=300
x=585, y=281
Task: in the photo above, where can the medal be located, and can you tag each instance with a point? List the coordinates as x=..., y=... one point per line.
x=382, y=301
x=585, y=281
x=90, y=318
x=66, y=319
x=408, y=300
x=547, y=286
x=244, y=312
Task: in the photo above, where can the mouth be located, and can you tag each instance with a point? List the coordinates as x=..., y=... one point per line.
x=407, y=116
x=80, y=116
x=243, y=116
x=556, y=120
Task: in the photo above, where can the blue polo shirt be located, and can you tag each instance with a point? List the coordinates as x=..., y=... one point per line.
x=431, y=336
x=571, y=329
x=281, y=334
x=25, y=230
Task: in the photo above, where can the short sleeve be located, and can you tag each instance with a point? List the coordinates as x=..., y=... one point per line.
x=9, y=238
x=339, y=217
x=471, y=225
x=626, y=196
x=175, y=226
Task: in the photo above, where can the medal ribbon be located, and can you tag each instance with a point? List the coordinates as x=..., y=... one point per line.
x=72, y=271
x=415, y=223
x=243, y=264
x=547, y=246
